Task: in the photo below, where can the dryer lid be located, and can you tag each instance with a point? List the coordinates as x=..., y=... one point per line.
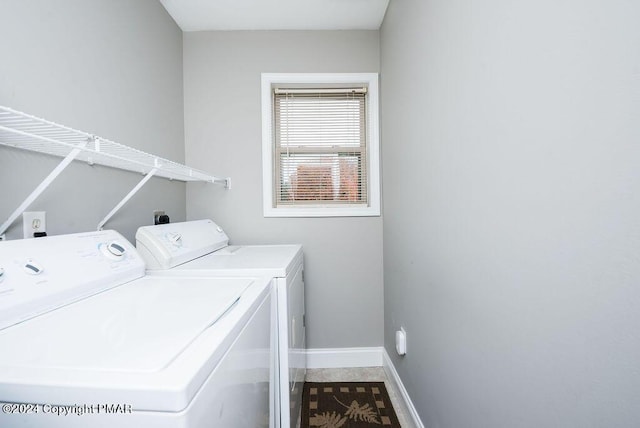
x=275, y=261
x=139, y=327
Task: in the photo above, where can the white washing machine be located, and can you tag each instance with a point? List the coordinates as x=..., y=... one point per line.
x=201, y=248
x=87, y=340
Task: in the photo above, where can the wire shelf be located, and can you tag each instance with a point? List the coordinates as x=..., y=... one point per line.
x=32, y=133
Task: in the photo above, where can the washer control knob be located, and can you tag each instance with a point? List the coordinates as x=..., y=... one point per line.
x=174, y=238
x=32, y=267
x=113, y=249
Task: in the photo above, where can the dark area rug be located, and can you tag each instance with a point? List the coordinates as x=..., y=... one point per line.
x=347, y=405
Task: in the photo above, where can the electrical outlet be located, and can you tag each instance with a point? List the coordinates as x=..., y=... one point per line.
x=32, y=222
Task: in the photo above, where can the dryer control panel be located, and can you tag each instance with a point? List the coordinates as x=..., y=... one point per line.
x=39, y=275
x=165, y=246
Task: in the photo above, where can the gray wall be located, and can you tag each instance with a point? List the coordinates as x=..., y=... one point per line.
x=343, y=256
x=511, y=215
x=112, y=68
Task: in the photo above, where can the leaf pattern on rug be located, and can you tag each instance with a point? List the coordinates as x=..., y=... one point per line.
x=326, y=420
x=357, y=412
x=364, y=413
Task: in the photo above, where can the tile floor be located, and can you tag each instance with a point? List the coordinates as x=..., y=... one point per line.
x=364, y=374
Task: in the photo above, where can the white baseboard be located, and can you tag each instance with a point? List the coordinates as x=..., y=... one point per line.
x=329, y=358
x=393, y=376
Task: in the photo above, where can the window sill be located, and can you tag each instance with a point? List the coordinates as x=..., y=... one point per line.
x=322, y=211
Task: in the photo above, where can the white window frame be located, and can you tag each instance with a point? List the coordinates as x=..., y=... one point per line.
x=373, y=144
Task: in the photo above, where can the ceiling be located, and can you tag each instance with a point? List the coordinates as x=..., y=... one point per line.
x=205, y=15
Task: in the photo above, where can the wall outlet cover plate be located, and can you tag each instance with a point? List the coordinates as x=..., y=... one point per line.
x=32, y=222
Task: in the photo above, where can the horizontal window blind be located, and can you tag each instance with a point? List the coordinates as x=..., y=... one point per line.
x=320, y=146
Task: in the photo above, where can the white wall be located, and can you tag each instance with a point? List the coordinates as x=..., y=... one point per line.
x=511, y=153
x=343, y=256
x=109, y=67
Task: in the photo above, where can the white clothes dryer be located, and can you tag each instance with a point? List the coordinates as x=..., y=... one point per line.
x=88, y=340
x=202, y=248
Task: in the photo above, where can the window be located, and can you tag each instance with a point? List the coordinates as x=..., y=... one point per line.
x=320, y=145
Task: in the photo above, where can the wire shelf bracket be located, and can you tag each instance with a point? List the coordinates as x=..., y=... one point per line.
x=27, y=132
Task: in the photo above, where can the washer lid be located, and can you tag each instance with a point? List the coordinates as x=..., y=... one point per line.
x=139, y=327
